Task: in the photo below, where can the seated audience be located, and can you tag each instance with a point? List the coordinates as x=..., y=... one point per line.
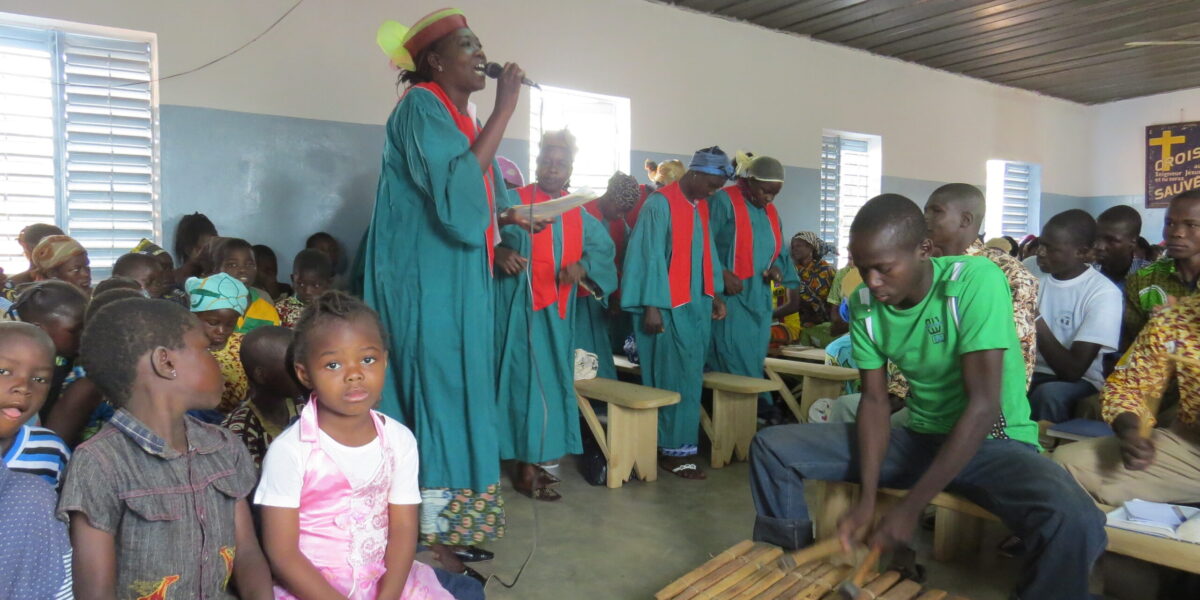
x=192, y=237
x=1116, y=244
x=235, y=257
x=274, y=394
x=806, y=313
x=172, y=290
x=219, y=301
x=58, y=309
x=81, y=409
x=26, y=369
x=312, y=275
x=144, y=269
x=35, y=554
x=1080, y=318
x=1171, y=277
x=947, y=323
x=329, y=245
x=61, y=257
x=29, y=238
x=133, y=532
x=268, y=273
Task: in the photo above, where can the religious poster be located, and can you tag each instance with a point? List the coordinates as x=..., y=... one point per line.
x=1172, y=161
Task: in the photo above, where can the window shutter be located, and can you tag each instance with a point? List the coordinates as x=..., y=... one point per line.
x=854, y=175
x=1015, y=221
x=108, y=160
x=830, y=159
x=28, y=189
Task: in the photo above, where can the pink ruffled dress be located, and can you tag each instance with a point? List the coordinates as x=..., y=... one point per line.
x=343, y=529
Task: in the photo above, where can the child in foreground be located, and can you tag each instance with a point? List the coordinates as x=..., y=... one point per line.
x=339, y=491
x=157, y=500
x=26, y=367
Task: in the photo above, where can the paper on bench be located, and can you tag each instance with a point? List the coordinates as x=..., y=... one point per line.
x=1152, y=520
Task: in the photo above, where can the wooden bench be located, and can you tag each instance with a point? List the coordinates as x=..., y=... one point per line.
x=958, y=523
x=816, y=380
x=734, y=419
x=631, y=441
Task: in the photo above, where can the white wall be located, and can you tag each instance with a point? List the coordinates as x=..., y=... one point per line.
x=1120, y=138
x=694, y=80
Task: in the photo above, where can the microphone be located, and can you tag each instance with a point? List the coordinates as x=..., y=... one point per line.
x=494, y=70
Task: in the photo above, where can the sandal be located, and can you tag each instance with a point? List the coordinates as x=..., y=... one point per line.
x=545, y=477
x=685, y=468
x=544, y=494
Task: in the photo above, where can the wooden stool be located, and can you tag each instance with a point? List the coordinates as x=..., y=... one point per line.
x=735, y=414
x=817, y=381
x=631, y=442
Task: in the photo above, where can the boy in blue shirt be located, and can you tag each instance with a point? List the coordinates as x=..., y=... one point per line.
x=26, y=370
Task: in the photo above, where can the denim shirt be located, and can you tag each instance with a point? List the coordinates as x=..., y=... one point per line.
x=172, y=514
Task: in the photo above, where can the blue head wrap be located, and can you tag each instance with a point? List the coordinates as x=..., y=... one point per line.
x=216, y=292
x=711, y=161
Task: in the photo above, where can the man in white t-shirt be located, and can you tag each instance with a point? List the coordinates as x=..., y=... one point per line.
x=1079, y=318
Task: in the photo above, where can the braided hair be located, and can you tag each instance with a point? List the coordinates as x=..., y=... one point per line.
x=330, y=306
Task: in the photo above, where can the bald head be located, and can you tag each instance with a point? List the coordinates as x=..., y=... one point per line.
x=966, y=197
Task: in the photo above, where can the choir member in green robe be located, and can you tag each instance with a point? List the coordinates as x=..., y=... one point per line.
x=749, y=240
x=671, y=282
x=602, y=329
x=427, y=270
x=538, y=277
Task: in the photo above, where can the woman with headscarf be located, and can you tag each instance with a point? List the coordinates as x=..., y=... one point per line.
x=671, y=283
x=61, y=257
x=749, y=239
x=808, y=302
x=427, y=265
x=602, y=329
x=537, y=278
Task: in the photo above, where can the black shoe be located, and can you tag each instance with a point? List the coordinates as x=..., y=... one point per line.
x=474, y=554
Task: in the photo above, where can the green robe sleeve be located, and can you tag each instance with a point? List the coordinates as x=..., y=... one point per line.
x=597, y=258
x=791, y=279
x=718, y=264
x=439, y=161
x=721, y=225
x=644, y=281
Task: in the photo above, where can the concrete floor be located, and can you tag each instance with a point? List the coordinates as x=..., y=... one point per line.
x=631, y=542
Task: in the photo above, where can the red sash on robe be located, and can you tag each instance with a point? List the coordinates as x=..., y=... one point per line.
x=743, y=233
x=542, y=271
x=682, y=223
x=469, y=128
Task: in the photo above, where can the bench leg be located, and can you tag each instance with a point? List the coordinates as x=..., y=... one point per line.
x=632, y=444
x=788, y=397
x=954, y=534
x=732, y=426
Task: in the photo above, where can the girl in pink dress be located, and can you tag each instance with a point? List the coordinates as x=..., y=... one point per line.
x=339, y=491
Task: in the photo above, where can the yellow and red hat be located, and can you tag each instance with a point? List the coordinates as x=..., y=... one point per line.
x=402, y=44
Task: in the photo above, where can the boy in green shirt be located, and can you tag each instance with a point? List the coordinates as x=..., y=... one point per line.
x=947, y=323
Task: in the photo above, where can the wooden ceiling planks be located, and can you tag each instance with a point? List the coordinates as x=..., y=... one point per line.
x=1073, y=49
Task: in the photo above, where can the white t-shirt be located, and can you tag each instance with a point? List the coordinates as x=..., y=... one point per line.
x=1088, y=309
x=286, y=460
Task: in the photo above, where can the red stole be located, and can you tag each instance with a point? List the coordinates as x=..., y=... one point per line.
x=682, y=224
x=743, y=233
x=468, y=127
x=542, y=272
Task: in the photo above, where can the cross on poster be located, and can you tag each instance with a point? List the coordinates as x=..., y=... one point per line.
x=1172, y=161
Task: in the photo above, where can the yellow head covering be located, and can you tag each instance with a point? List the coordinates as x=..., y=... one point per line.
x=53, y=251
x=402, y=44
x=668, y=172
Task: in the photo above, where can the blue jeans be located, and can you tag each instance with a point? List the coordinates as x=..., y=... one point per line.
x=1053, y=400
x=462, y=587
x=1060, y=525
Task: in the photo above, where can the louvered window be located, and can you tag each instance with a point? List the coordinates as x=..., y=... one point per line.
x=849, y=177
x=78, y=142
x=1013, y=198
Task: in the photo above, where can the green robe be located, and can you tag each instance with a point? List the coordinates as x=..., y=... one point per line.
x=597, y=329
x=672, y=360
x=425, y=269
x=537, y=355
x=739, y=343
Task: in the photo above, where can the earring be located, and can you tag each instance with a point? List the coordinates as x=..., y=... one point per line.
x=439, y=68
x=174, y=374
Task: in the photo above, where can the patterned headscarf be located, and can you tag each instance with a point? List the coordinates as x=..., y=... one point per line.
x=148, y=247
x=402, y=44
x=623, y=190
x=53, y=251
x=216, y=292
x=820, y=246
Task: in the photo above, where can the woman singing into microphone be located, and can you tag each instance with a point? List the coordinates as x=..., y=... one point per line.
x=427, y=259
